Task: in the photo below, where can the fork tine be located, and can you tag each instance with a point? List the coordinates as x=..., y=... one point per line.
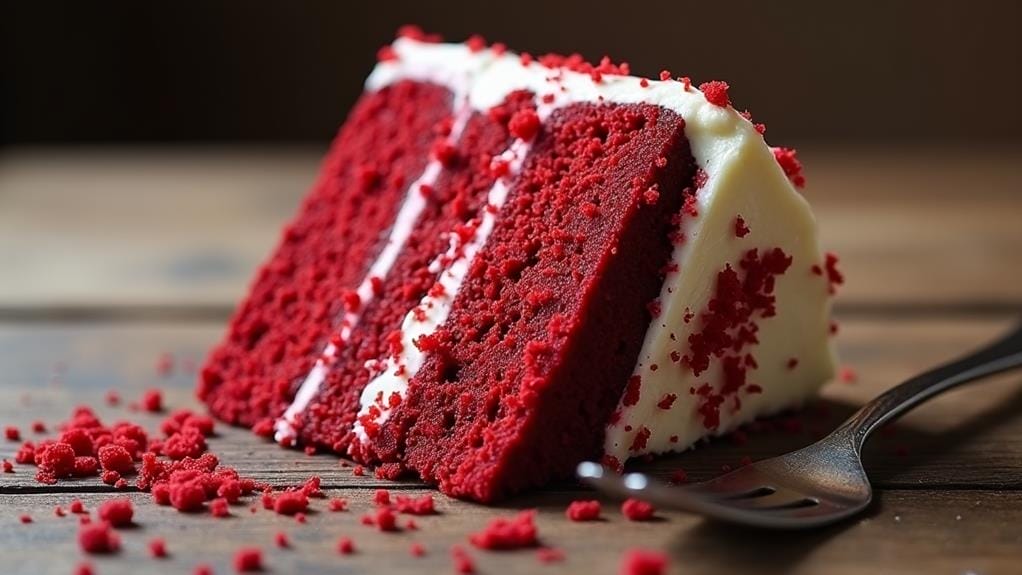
x=733, y=484
x=780, y=499
x=706, y=499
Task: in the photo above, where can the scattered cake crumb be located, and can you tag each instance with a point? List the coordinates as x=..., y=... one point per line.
x=98, y=538
x=584, y=510
x=637, y=510
x=643, y=562
x=117, y=512
x=158, y=548
x=549, y=555
x=508, y=533
x=248, y=559
x=463, y=563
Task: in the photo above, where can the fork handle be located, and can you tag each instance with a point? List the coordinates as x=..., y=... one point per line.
x=1001, y=355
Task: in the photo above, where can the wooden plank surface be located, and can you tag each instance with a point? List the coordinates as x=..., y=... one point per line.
x=178, y=227
x=962, y=450
x=114, y=257
x=902, y=534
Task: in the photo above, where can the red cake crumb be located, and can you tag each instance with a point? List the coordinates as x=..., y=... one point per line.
x=741, y=230
x=116, y=458
x=158, y=548
x=386, y=54
x=84, y=568
x=584, y=510
x=411, y=525
x=665, y=75
x=345, y=546
x=524, y=124
x=679, y=476
x=636, y=510
x=338, y=504
x=384, y=519
x=358, y=470
x=291, y=502
x=792, y=363
x=109, y=477
x=25, y=518
x=182, y=419
x=248, y=559
x=281, y=540
x=508, y=533
x=188, y=495
x=300, y=517
x=643, y=562
x=476, y=43
x=422, y=505
x=56, y=459
x=847, y=374
x=263, y=428
x=152, y=401
x=788, y=159
x=667, y=401
x=59, y=511
x=12, y=433
x=117, y=512
x=202, y=570
x=38, y=427
x=716, y=93
x=8, y=467
x=113, y=398
x=219, y=508
x=549, y=555
x=79, y=440
x=381, y=497
x=311, y=487
x=463, y=563
x=77, y=507
x=631, y=395
x=98, y=538
x=834, y=277
x=640, y=439
x=417, y=550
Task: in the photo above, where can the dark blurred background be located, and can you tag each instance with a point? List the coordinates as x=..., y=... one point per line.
x=921, y=72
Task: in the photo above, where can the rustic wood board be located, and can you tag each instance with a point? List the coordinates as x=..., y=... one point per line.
x=113, y=257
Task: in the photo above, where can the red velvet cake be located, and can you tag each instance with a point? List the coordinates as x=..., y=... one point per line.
x=511, y=264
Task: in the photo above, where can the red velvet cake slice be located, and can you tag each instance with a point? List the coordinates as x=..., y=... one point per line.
x=511, y=264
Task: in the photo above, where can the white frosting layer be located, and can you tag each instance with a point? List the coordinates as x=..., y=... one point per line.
x=743, y=179
x=433, y=309
x=412, y=205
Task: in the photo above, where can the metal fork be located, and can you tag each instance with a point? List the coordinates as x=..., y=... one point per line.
x=816, y=485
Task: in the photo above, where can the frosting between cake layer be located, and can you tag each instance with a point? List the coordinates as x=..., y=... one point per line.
x=742, y=179
x=412, y=206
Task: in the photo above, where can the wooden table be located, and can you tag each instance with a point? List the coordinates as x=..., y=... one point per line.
x=111, y=257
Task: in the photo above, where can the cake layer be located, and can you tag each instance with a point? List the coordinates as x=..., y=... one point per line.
x=298, y=297
x=543, y=333
x=457, y=196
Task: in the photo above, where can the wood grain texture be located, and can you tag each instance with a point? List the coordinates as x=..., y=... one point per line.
x=971, y=531
x=185, y=227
